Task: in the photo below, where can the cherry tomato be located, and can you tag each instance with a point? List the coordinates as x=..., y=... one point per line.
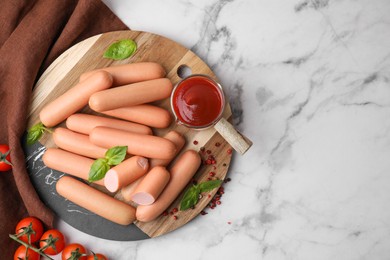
x=5, y=158
x=29, y=226
x=74, y=252
x=97, y=257
x=54, y=242
x=20, y=254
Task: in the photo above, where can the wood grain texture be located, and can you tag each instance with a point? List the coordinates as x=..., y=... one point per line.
x=64, y=73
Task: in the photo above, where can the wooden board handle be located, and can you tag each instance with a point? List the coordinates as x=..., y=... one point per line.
x=239, y=142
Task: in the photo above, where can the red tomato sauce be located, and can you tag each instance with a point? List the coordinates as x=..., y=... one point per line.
x=197, y=101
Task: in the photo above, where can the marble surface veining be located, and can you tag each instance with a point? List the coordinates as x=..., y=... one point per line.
x=308, y=82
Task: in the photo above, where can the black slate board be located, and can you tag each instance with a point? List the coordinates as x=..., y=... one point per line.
x=44, y=180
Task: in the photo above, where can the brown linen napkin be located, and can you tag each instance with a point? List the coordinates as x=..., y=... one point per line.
x=33, y=33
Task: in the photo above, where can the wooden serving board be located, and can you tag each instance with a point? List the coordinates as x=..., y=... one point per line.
x=64, y=73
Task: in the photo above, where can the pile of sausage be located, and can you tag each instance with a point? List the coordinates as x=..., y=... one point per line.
x=145, y=185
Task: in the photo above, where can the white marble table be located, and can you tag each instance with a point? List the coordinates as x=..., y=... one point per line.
x=308, y=81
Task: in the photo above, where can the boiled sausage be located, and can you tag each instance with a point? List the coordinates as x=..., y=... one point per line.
x=84, y=123
x=181, y=173
x=137, y=144
x=125, y=173
x=149, y=115
x=74, y=99
x=95, y=201
x=77, y=143
x=151, y=186
x=131, y=95
x=69, y=163
x=131, y=73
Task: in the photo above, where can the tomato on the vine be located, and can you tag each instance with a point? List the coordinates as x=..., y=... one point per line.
x=5, y=158
x=74, y=252
x=52, y=241
x=29, y=227
x=97, y=257
x=22, y=254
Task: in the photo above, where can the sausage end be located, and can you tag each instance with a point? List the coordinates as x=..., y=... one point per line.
x=111, y=180
x=143, y=215
x=95, y=102
x=142, y=198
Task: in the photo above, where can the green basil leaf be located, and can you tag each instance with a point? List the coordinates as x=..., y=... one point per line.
x=98, y=169
x=209, y=185
x=35, y=133
x=120, y=50
x=115, y=155
x=190, y=198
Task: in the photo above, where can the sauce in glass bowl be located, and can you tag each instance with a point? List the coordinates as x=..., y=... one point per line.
x=197, y=101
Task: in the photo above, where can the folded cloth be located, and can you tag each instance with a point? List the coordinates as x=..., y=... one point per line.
x=33, y=33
